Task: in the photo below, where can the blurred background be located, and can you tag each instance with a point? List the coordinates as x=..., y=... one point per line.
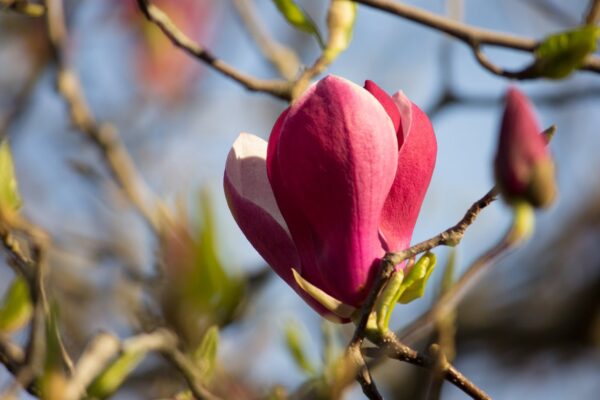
x=529, y=329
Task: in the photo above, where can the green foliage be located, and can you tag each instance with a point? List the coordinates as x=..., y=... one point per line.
x=295, y=345
x=298, y=18
x=417, y=278
x=16, y=308
x=404, y=289
x=562, y=53
x=52, y=381
x=199, y=291
x=54, y=359
x=206, y=354
x=387, y=300
x=113, y=376
x=214, y=289
x=9, y=195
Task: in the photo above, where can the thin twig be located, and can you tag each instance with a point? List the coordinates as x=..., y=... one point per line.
x=451, y=236
x=33, y=268
x=453, y=296
x=472, y=36
x=20, y=101
x=103, y=135
x=497, y=70
x=104, y=348
x=95, y=358
x=11, y=355
x=391, y=346
x=283, y=58
x=366, y=382
x=277, y=87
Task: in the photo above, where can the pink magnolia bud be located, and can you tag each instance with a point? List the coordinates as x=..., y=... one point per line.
x=340, y=182
x=523, y=166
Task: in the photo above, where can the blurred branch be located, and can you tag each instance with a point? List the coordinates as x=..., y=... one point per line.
x=20, y=101
x=95, y=358
x=103, y=135
x=24, y=7
x=283, y=58
x=104, y=348
x=552, y=11
x=572, y=325
x=593, y=14
x=472, y=36
x=448, y=96
x=277, y=88
x=32, y=268
x=11, y=355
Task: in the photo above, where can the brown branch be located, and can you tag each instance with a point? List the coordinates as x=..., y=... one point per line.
x=495, y=69
x=472, y=36
x=104, y=348
x=33, y=268
x=366, y=382
x=451, y=236
x=391, y=346
x=448, y=301
x=101, y=349
x=189, y=372
x=452, y=297
x=593, y=14
x=11, y=355
x=103, y=136
x=277, y=88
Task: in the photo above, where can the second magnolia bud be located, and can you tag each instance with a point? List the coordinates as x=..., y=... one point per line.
x=523, y=167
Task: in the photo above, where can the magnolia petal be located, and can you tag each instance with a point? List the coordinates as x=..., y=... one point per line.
x=339, y=309
x=405, y=110
x=332, y=160
x=246, y=171
x=416, y=161
x=388, y=104
x=253, y=207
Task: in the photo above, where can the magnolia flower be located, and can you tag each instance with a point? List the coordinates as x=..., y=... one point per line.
x=523, y=166
x=340, y=182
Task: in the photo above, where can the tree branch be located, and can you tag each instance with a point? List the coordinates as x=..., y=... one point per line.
x=104, y=347
x=391, y=346
x=277, y=88
x=593, y=14
x=283, y=58
x=451, y=236
x=472, y=36
x=103, y=135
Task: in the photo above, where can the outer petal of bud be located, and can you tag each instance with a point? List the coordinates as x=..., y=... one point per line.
x=524, y=168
